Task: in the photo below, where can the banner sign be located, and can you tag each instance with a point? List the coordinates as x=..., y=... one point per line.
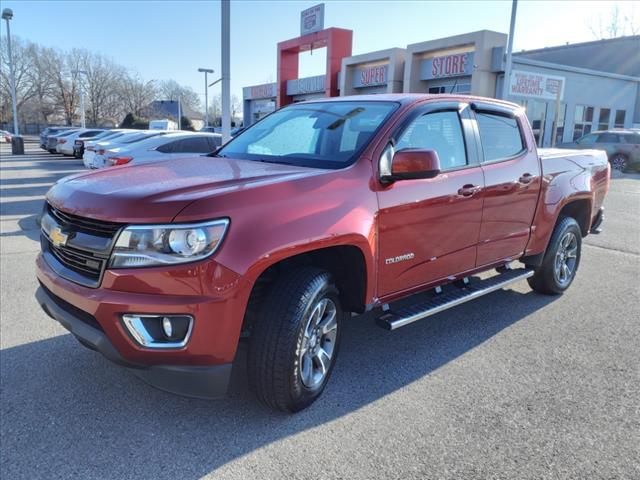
x=454, y=65
x=301, y=86
x=536, y=85
x=312, y=19
x=370, y=76
x=267, y=90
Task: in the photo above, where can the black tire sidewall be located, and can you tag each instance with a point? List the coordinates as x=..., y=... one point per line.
x=565, y=225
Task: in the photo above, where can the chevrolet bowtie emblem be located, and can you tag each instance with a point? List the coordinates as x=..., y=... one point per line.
x=58, y=238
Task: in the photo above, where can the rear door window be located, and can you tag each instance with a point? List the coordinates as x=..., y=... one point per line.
x=633, y=138
x=500, y=136
x=193, y=145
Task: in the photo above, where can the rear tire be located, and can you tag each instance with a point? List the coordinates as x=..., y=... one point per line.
x=619, y=162
x=561, y=259
x=294, y=341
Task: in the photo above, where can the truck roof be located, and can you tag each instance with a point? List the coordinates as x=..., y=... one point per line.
x=410, y=98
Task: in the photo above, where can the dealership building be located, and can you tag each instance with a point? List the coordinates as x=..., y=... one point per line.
x=572, y=89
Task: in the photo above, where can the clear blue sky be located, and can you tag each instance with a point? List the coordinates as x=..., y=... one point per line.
x=171, y=39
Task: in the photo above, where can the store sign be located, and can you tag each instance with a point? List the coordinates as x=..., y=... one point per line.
x=267, y=90
x=536, y=85
x=454, y=65
x=300, y=86
x=312, y=19
x=370, y=76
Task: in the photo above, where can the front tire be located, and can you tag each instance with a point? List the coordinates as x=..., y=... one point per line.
x=294, y=341
x=561, y=259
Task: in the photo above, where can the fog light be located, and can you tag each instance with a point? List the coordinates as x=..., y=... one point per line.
x=166, y=326
x=159, y=331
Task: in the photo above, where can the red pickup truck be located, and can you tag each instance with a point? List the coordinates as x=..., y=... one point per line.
x=321, y=209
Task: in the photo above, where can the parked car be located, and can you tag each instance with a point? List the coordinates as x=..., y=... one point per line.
x=320, y=209
x=53, y=139
x=99, y=157
x=165, y=124
x=5, y=136
x=90, y=146
x=163, y=147
x=79, y=143
x=51, y=131
x=622, y=147
x=67, y=143
x=209, y=130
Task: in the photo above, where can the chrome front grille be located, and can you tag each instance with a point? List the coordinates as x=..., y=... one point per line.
x=83, y=253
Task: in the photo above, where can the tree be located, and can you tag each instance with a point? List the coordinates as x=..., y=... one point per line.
x=185, y=124
x=132, y=121
x=135, y=94
x=22, y=67
x=172, y=90
x=617, y=24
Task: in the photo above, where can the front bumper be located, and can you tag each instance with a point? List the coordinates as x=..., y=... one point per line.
x=201, y=381
x=94, y=315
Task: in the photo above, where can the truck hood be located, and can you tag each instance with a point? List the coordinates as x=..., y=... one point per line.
x=157, y=192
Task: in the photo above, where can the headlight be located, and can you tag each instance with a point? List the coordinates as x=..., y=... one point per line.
x=148, y=245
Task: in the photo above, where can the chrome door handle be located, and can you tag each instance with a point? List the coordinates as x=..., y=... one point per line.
x=526, y=178
x=469, y=190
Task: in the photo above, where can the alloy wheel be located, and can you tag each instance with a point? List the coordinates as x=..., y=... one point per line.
x=566, y=259
x=318, y=343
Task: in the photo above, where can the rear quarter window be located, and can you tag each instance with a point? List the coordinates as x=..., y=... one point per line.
x=500, y=136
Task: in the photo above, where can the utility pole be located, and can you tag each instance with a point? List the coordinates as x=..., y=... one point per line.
x=226, y=66
x=7, y=14
x=507, y=65
x=83, y=123
x=206, y=94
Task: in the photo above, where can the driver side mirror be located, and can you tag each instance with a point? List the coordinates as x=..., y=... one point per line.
x=413, y=163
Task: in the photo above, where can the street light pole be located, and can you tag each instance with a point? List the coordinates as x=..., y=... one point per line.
x=7, y=14
x=507, y=66
x=83, y=123
x=226, y=67
x=206, y=94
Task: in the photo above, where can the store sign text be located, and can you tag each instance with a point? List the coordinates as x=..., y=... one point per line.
x=312, y=19
x=536, y=85
x=455, y=65
x=370, y=76
x=301, y=86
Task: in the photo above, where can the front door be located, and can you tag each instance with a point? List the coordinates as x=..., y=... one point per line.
x=512, y=184
x=428, y=228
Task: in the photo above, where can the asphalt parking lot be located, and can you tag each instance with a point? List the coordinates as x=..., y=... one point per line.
x=515, y=385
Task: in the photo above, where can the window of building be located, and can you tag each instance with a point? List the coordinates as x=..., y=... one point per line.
x=603, y=119
x=537, y=115
x=582, y=121
x=562, y=117
x=439, y=131
x=619, y=120
x=501, y=137
x=461, y=88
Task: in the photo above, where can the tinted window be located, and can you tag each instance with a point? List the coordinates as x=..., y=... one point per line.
x=167, y=147
x=500, y=136
x=318, y=134
x=215, y=142
x=588, y=139
x=192, y=145
x=607, y=137
x=440, y=131
x=90, y=133
x=633, y=138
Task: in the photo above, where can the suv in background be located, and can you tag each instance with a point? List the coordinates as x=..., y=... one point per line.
x=622, y=147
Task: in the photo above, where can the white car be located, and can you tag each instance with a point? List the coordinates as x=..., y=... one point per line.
x=165, y=147
x=65, y=144
x=99, y=158
x=91, y=145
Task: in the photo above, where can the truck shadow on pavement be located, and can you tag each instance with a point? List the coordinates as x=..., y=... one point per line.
x=67, y=410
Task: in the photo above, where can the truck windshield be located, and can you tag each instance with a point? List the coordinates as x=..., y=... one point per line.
x=319, y=134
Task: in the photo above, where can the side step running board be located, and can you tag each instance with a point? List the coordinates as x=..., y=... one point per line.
x=392, y=320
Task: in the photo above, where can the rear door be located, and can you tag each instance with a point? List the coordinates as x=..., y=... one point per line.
x=428, y=228
x=512, y=177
